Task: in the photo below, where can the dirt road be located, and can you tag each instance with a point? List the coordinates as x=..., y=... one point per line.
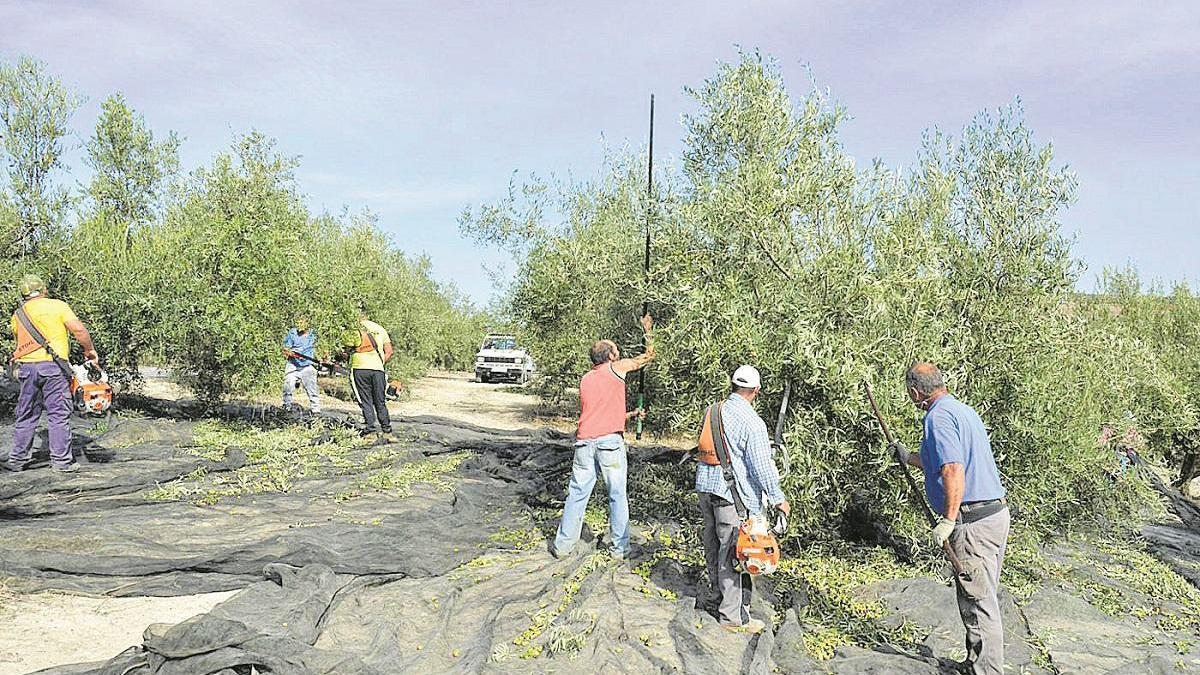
x=458, y=397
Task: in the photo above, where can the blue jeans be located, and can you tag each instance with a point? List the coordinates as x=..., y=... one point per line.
x=607, y=456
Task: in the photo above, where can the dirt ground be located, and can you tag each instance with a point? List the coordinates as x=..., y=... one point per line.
x=41, y=630
x=454, y=395
x=458, y=397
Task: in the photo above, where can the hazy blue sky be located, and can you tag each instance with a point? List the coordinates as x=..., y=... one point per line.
x=418, y=109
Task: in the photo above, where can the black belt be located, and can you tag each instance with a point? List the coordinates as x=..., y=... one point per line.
x=970, y=512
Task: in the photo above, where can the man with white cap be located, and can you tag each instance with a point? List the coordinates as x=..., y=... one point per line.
x=734, y=430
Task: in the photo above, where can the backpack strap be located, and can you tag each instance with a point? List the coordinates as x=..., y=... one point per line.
x=375, y=346
x=722, y=449
x=41, y=340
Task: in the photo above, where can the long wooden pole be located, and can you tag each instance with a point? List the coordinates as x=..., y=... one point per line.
x=960, y=573
x=646, y=266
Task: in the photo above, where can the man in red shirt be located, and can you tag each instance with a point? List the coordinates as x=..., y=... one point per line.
x=600, y=444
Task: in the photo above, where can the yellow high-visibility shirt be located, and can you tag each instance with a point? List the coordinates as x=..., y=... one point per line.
x=365, y=357
x=50, y=317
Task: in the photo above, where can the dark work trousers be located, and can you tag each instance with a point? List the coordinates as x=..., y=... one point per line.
x=729, y=589
x=370, y=389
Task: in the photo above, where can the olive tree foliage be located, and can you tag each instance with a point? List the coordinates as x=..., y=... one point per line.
x=1165, y=321
x=771, y=246
x=220, y=262
x=212, y=287
x=100, y=266
x=35, y=111
x=131, y=169
x=203, y=274
x=579, y=254
x=429, y=323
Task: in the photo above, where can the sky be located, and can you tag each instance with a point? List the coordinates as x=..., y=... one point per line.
x=417, y=110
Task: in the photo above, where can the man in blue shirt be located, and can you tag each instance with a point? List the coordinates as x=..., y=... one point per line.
x=299, y=344
x=750, y=457
x=963, y=487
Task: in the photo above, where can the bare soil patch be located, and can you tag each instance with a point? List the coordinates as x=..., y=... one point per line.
x=48, y=629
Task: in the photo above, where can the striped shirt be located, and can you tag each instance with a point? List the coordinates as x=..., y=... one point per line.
x=750, y=455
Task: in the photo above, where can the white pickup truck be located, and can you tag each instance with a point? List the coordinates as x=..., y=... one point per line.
x=499, y=358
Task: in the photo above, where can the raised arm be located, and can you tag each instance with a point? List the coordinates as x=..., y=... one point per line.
x=624, y=366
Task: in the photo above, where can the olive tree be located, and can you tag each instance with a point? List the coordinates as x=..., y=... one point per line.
x=35, y=111
x=131, y=169
x=774, y=247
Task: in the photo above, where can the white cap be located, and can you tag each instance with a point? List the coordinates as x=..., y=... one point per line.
x=747, y=376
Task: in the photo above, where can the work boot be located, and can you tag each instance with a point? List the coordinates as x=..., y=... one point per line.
x=73, y=467
x=621, y=556
x=751, y=627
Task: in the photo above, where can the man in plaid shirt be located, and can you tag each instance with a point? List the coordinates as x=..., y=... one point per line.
x=753, y=464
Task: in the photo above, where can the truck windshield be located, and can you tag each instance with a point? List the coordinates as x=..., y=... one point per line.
x=500, y=343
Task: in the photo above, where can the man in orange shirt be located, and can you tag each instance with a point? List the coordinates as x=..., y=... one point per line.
x=43, y=374
x=600, y=445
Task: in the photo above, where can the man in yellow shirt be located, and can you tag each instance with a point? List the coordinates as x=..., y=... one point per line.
x=45, y=383
x=372, y=350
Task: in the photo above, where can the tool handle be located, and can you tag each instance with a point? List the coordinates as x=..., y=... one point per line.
x=887, y=433
x=641, y=402
x=955, y=563
x=959, y=571
x=781, y=523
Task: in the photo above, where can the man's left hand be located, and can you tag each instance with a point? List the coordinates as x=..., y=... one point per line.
x=941, y=531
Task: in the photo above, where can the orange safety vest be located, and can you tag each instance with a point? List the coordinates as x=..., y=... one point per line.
x=26, y=345
x=364, y=343
x=708, y=448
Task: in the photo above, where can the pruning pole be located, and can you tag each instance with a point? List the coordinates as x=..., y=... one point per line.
x=783, y=406
x=959, y=572
x=646, y=266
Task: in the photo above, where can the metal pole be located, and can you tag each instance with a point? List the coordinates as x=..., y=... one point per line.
x=646, y=267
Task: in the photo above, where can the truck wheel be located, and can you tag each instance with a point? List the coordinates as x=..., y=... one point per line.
x=484, y=377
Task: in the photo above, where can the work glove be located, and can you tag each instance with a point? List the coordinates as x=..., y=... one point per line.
x=902, y=454
x=941, y=531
